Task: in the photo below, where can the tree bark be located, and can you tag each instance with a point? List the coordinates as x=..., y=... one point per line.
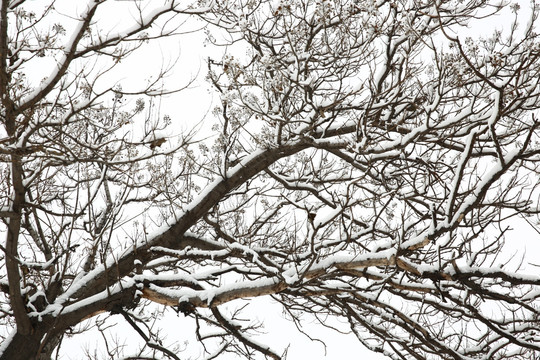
x=23, y=347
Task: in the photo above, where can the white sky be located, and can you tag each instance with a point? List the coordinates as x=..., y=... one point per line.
x=187, y=108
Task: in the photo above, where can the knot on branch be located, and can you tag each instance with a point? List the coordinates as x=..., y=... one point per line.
x=186, y=308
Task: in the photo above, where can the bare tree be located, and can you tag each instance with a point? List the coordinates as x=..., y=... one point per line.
x=366, y=163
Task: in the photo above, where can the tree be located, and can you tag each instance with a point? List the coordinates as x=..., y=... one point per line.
x=366, y=163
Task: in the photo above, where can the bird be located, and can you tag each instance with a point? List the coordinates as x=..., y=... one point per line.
x=157, y=143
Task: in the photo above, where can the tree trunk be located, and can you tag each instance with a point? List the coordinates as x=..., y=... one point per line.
x=23, y=347
x=34, y=346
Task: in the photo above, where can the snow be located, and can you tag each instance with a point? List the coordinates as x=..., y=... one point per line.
x=291, y=279
x=59, y=305
x=169, y=277
x=415, y=241
x=68, y=48
x=7, y=341
x=532, y=295
x=495, y=109
x=80, y=282
x=486, y=272
x=344, y=258
x=489, y=176
x=459, y=168
x=204, y=195
x=325, y=215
